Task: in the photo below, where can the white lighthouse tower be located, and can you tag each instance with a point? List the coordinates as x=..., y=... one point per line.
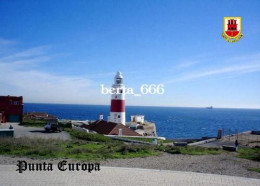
x=117, y=109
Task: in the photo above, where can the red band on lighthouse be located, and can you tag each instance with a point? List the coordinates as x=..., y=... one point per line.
x=117, y=105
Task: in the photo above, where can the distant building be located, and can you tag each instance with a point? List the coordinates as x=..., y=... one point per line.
x=11, y=109
x=137, y=118
x=43, y=116
x=142, y=127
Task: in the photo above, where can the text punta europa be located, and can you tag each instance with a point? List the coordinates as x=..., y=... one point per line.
x=62, y=166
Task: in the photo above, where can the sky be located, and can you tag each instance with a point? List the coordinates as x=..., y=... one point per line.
x=62, y=51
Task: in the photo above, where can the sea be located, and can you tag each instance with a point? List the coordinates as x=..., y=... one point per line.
x=171, y=122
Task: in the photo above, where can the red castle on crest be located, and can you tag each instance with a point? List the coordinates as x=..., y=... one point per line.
x=232, y=28
x=232, y=24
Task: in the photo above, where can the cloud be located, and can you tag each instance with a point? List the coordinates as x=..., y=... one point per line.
x=25, y=63
x=29, y=53
x=189, y=62
x=111, y=74
x=45, y=86
x=21, y=74
x=6, y=42
x=245, y=58
x=101, y=75
x=243, y=64
x=186, y=64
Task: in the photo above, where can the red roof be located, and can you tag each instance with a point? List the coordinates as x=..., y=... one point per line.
x=110, y=128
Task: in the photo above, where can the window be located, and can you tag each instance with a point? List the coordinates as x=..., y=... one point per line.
x=16, y=102
x=121, y=91
x=118, y=116
x=118, y=80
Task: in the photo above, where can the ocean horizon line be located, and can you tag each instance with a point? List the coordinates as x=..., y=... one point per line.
x=194, y=107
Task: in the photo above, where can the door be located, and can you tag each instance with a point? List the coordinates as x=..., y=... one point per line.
x=13, y=118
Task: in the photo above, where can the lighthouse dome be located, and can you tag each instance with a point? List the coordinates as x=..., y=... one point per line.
x=119, y=74
x=118, y=78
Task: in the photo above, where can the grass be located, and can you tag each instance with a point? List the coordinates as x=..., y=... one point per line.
x=167, y=141
x=249, y=153
x=88, y=136
x=254, y=169
x=88, y=146
x=33, y=123
x=75, y=149
x=191, y=150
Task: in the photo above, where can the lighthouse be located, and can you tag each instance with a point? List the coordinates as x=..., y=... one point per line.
x=117, y=108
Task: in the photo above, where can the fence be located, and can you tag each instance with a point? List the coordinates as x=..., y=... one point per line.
x=244, y=138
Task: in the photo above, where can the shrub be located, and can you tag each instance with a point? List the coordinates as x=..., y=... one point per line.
x=88, y=136
x=249, y=153
x=67, y=125
x=80, y=151
x=188, y=150
x=125, y=149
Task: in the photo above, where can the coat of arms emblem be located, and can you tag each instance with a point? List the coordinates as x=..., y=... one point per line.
x=232, y=27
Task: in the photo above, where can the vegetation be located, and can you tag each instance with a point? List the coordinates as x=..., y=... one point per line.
x=148, y=140
x=77, y=149
x=88, y=136
x=83, y=146
x=249, y=153
x=254, y=169
x=33, y=123
x=41, y=122
x=67, y=125
x=165, y=141
x=191, y=150
x=90, y=147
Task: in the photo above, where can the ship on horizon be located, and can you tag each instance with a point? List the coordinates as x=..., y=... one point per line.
x=211, y=107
